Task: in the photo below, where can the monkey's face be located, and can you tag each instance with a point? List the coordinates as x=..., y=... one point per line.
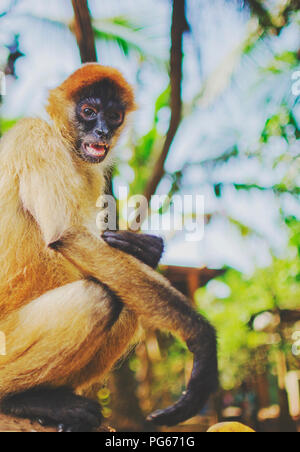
x=99, y=116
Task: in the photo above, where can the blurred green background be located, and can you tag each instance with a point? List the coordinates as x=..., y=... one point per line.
x=218, y=116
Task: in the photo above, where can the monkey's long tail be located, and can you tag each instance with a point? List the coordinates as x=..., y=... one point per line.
x=203, y=381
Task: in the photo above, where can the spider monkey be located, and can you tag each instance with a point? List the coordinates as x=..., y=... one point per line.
x=71, y=299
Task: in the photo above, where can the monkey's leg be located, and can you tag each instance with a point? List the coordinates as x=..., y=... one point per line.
x=48, y=342
x=122, y=335
x=152, y=297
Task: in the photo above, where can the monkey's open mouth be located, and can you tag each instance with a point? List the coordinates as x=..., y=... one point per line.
x=97, y=151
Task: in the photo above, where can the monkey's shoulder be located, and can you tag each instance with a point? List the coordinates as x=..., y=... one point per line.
x=27, y=129
x=31, y=142
x=24, y=131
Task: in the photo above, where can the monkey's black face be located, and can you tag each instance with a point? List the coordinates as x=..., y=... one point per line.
x=99, y=114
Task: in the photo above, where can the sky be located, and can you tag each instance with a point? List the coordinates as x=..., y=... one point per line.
x=226, y=116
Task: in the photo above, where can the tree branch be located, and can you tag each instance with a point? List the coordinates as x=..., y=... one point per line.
x=11, y=424
x=16, y=425
x=84, y=31
x=179, y=26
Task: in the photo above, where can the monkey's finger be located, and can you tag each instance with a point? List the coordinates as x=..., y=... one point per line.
x=143, y=240
x=152, y=248
x=149, y=255
x=148, y=243
x=118, y=241
x=129, y=248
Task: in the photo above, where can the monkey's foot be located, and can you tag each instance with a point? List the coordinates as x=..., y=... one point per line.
x=147, y=248
x=58, y=407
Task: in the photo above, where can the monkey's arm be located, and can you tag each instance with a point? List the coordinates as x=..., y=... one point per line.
x=151, y=296
x=52, y=189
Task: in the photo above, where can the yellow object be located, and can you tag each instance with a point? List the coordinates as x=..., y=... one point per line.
x=230, y=427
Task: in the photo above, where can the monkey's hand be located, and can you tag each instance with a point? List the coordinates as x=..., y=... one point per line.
x=146, y=248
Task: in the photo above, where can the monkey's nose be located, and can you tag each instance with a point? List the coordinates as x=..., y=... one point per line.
x=100, y=133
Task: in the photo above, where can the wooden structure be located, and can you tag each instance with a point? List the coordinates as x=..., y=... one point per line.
x=189, y=279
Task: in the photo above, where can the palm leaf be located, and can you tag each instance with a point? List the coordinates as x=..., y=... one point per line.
x=127, y=35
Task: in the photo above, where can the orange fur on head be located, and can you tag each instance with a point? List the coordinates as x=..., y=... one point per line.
x=61, y=99
x=92, y=73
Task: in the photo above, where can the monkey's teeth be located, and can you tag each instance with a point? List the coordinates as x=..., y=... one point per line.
x=96, y=152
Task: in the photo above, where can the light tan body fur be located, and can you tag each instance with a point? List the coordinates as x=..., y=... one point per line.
x=46, y=330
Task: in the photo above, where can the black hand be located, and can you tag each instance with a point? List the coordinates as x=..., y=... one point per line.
x=146, y=248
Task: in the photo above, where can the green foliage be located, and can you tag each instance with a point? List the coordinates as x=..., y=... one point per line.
x=294, y=226
x=147, y=147
x=6, y=124
x=281, y=124
x=283, y=62
x=126, y=34
x=270, y=289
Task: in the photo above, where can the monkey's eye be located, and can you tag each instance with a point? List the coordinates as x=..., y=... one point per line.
x=88, y=113
x=115, y=117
